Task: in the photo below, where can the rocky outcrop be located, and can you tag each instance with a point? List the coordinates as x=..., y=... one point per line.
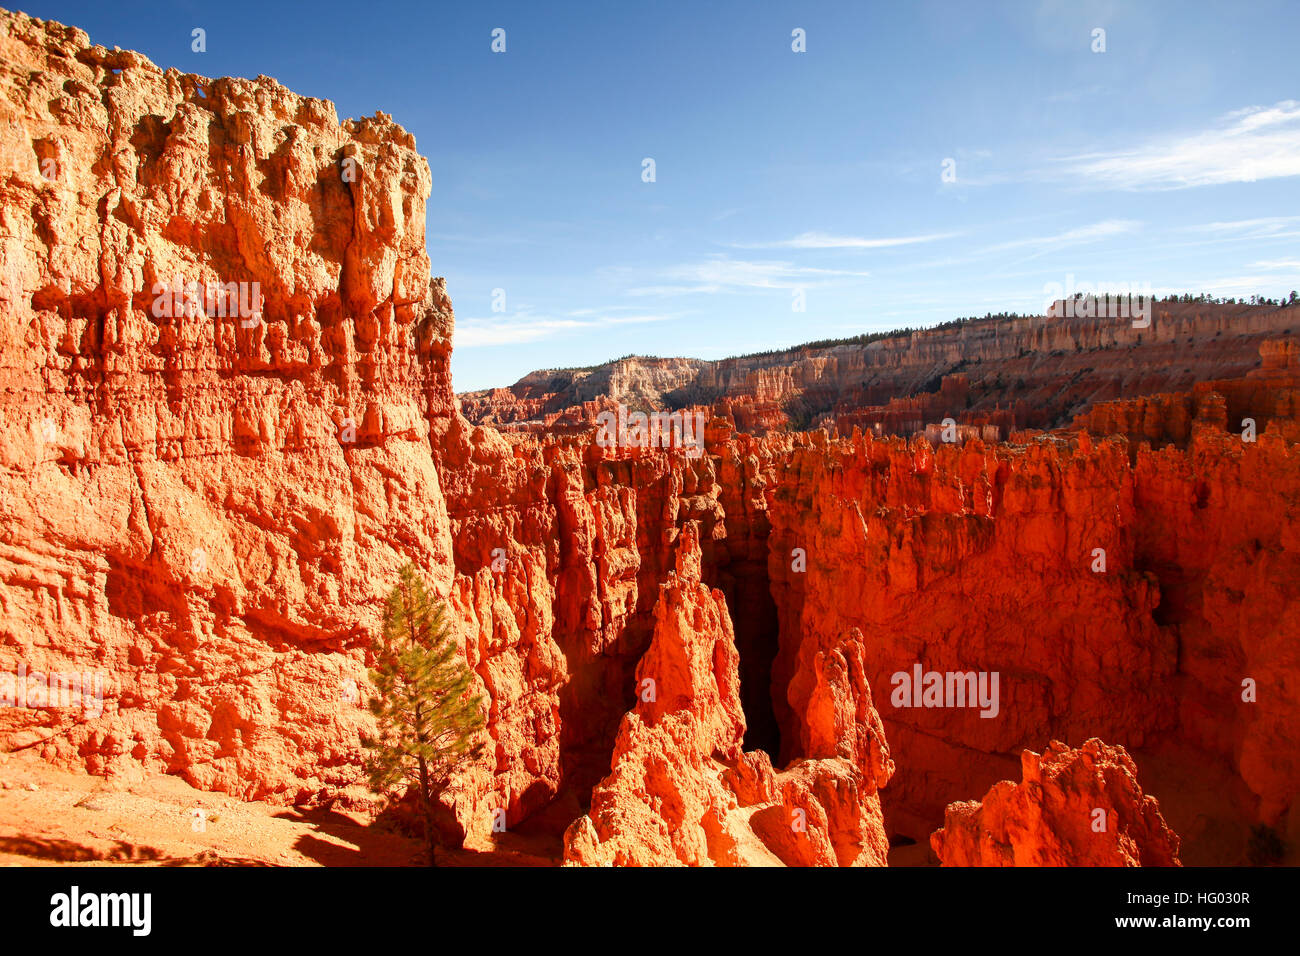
x=206, y=496
x=682, y=791
x=1032, y=371
x=637, y=381
x=1071, y=808
x=1267, y=398
x=1177, y=565
x=936, y=559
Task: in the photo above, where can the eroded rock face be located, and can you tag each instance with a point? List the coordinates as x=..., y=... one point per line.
x=205, y=508
x=1072, y=807
x=681, y=789
x=964, y=559
x=205, y=500
x=204, y=505
x=940, y=560
x=990, y=375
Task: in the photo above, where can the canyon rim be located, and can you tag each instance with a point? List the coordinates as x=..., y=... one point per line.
x=1021, y=590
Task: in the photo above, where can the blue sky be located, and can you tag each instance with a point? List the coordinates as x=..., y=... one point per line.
x=1169, y=161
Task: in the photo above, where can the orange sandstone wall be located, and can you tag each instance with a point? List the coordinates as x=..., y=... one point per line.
x=681, y=789
x=984, y=559
x=978, y=559
x=206, y=510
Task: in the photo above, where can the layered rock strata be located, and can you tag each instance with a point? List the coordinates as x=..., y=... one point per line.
x=205, y=499
x=1002, y=373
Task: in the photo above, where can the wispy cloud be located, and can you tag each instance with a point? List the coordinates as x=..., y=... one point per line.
x=820, y=240
x=1259, y=142
x=524, y=326
x=723, y=274
x=1267, y=226
x=1106, y=229
x=461, y=239
x=583, y=313
x=1277, y=264
x=1043, y=245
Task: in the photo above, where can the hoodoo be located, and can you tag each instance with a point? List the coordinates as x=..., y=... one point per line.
x=688, y=650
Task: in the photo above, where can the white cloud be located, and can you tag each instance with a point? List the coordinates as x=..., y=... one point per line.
x=523, y=327
x=583, y=313
x=1106, y=229
x=820, y=240
x=722, y=274
x=460, y=239
x=1251, y=144
x=1267, y=226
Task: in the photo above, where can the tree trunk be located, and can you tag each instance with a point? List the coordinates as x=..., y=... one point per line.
x=430, y=837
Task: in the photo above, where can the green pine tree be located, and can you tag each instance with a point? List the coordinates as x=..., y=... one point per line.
x=429, y=722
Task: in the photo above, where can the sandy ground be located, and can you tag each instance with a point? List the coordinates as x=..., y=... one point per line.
x=50, y=818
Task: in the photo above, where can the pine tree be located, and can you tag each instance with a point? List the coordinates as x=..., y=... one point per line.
x=429, y=723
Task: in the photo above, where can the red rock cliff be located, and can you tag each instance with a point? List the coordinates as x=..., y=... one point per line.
x=1037, y=371
x=681, y=789
x=206, y=508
